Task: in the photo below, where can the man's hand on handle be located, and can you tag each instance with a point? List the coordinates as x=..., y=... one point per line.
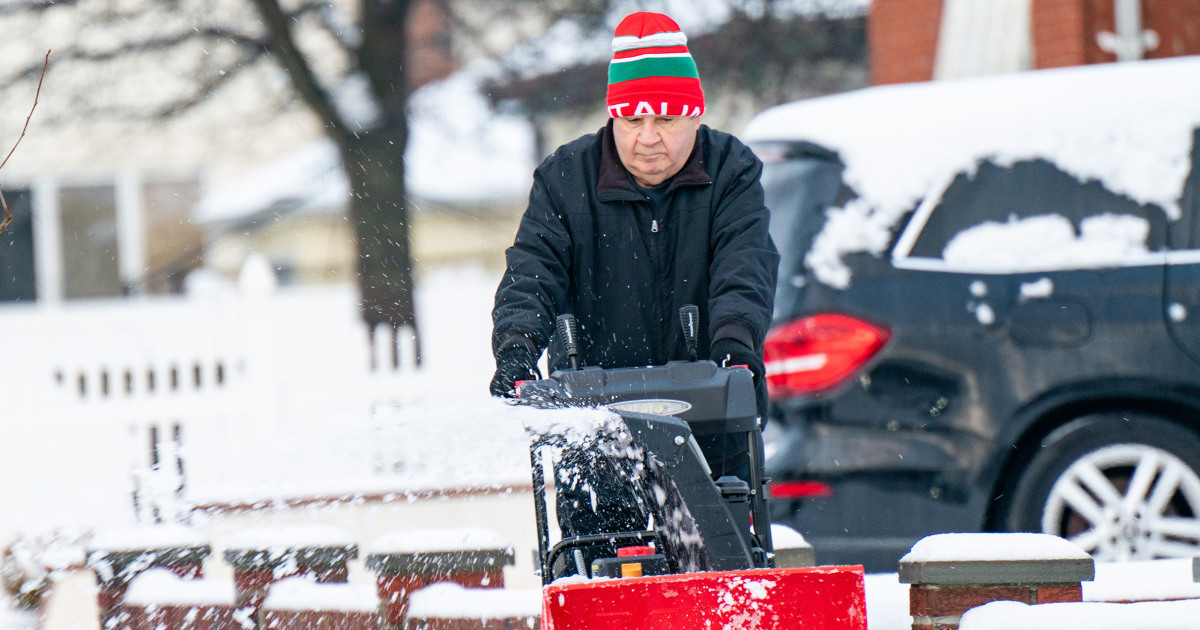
x=514, y=363
x=728, y=352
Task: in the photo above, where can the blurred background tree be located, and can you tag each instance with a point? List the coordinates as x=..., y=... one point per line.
x=752, y=54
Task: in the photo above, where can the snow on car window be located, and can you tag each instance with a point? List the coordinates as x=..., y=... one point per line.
x=1048, y=241
x=851, y=228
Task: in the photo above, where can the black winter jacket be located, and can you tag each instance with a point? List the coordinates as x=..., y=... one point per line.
x=590, y=243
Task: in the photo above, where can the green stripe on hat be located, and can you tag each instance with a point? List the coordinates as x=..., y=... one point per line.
x=683, y=67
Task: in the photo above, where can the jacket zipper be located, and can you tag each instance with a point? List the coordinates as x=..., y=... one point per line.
x=656, y=306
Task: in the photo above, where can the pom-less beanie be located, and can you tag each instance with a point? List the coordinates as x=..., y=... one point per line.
x=652, y=73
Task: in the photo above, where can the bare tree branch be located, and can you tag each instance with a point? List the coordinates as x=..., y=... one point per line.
x=345, y=35
x=8, y=214
x=588, y=15
x=154, y=44
x=25, y=6
x=211, y=84
x=282, y=46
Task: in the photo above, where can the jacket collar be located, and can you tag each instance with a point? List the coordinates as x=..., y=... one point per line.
x=613, y=183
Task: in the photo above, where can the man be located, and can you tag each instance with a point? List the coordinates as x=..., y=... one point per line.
x=625, y=226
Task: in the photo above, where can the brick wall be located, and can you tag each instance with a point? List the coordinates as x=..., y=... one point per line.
x=902, y=39
x=428, y=43
x=936, y=607
x=1178, y=26
x=1064, y=31
x=903, y=34
x=1061, y=32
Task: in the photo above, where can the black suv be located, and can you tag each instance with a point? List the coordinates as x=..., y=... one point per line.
x=988, y=316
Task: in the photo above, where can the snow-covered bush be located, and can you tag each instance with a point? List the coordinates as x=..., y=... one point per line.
x=29, y=564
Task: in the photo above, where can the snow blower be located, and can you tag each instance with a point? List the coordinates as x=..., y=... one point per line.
x=686, y=550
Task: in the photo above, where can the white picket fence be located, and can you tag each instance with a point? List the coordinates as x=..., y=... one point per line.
x=113, y=410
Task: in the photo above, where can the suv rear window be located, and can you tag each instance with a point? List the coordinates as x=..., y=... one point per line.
x=800, y=181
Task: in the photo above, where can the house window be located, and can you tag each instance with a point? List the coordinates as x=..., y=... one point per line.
x=17, y=277
x=175, y=245
x=89, y=242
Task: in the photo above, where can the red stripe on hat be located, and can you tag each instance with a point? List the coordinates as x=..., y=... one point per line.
x=682, y=96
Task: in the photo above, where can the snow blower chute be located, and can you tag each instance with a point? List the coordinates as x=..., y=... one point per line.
x=649, y=537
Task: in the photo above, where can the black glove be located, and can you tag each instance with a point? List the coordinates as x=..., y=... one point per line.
x=513, y=363
x=728, y=352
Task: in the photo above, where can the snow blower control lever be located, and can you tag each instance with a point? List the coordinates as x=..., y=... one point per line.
x=566, y=331
x=698, y=523
x=689, y=319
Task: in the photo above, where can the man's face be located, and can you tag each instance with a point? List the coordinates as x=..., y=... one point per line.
x=654, y=148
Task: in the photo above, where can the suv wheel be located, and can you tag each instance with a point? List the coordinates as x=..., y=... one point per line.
x=1120, y=485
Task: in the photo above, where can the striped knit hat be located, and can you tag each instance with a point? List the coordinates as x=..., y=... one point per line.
x=652, y=73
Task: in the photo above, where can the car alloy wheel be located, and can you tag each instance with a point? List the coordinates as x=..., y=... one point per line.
x=1121, y=485
x=1127, y=501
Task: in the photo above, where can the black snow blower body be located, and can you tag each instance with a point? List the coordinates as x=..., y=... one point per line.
x=652, y=459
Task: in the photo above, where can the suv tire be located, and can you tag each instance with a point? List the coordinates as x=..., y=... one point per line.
x=1121, y=485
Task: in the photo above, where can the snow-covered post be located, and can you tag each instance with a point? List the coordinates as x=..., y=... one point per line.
x=118, y=557
x=261, y=557
x=158, y=599
x=951, y=573
x=450, y=606
x=298, y=603
x=792, y=551
x=408, y=561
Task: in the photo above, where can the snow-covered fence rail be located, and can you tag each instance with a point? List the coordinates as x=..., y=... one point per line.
x=120, y=403
x=297, y=578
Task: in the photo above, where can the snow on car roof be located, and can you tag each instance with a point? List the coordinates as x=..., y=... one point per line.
x=1127, y=125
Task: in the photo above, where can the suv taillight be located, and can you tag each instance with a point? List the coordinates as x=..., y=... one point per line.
x=818, y=352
